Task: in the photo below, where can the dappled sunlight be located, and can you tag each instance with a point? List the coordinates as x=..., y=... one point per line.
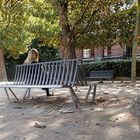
x=110, y=115
x=4, y=135
x=31, y=136
x=1, y=116
x=56, y=124
x=113, y=132
x=2, y=125
x=121, y=117
x=31, y=123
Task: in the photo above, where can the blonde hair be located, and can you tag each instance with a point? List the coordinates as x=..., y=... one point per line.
x=30, y=58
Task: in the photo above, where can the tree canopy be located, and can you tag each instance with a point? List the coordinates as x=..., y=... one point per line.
x=93, y=23
x=13, y=19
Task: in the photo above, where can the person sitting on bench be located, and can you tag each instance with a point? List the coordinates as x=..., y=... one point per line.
x=33, y=57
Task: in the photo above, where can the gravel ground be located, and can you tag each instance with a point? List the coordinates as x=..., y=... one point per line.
x=55, y=118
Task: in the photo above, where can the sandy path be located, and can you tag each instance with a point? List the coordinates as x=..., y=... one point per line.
x=109, y=119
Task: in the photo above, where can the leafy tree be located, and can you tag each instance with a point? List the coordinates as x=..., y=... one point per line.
x=65, y=23
x=43, y=22
x=12, y=33
x=74, y=18
x=135, y=44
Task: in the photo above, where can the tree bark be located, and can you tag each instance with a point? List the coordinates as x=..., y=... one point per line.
x=3, y=75
x=67, y=37
x=135, y=45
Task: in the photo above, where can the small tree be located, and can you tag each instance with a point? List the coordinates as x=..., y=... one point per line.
x=135, y=44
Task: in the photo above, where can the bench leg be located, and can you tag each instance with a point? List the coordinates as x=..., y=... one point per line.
x=89, y=91
x=13, y=94
x=94, y=93
x=27, y=93
x=75, y=98
x=7, y=94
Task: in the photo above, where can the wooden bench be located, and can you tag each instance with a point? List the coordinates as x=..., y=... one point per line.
x=101, y=75
x=53, y=74
x=98, y=75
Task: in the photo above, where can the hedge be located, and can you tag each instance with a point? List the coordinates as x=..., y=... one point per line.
x=121, y=68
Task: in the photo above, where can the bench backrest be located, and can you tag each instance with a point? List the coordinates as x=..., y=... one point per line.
x=101, y=74
x=80, y=77
x=63, y=72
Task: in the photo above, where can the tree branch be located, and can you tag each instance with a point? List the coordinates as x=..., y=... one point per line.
x=82, y=15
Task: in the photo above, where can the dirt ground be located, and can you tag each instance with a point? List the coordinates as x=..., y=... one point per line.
x=54, y=118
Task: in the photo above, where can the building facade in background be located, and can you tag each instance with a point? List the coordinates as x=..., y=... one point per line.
x=115, y=51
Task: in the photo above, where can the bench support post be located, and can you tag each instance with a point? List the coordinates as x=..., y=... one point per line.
x=27, y=93
x=94, y=92
x=12, y=93
x=89, y=91
x=7, y=94
x=75, y=98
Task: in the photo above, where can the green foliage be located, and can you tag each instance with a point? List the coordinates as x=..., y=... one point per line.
x=121, y=68
x=46, y=53
x=110, y=25
x=94, y=23
x=21, y=21
x=43, y=22
x=13, y=36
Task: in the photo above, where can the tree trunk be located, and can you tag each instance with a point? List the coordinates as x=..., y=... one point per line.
x=67, y=37
x=135, y=45
x=3, y=76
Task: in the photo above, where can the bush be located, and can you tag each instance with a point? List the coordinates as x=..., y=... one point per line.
x=121, y=68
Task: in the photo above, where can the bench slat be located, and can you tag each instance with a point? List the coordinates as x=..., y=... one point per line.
x=25, y=74
x=44, y=70
x=106, y=74
x=31, y=74
x=17, y=74
x=75, y=73
x=48, y=74
x=51, y=74
x=63, y=72
x=35, y=75
x=29, y=86
x=71, y=73
x=59, y=74
x=55, y=74
x=67, y=73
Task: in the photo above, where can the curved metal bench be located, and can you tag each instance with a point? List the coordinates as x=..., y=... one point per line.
x=53, y=74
